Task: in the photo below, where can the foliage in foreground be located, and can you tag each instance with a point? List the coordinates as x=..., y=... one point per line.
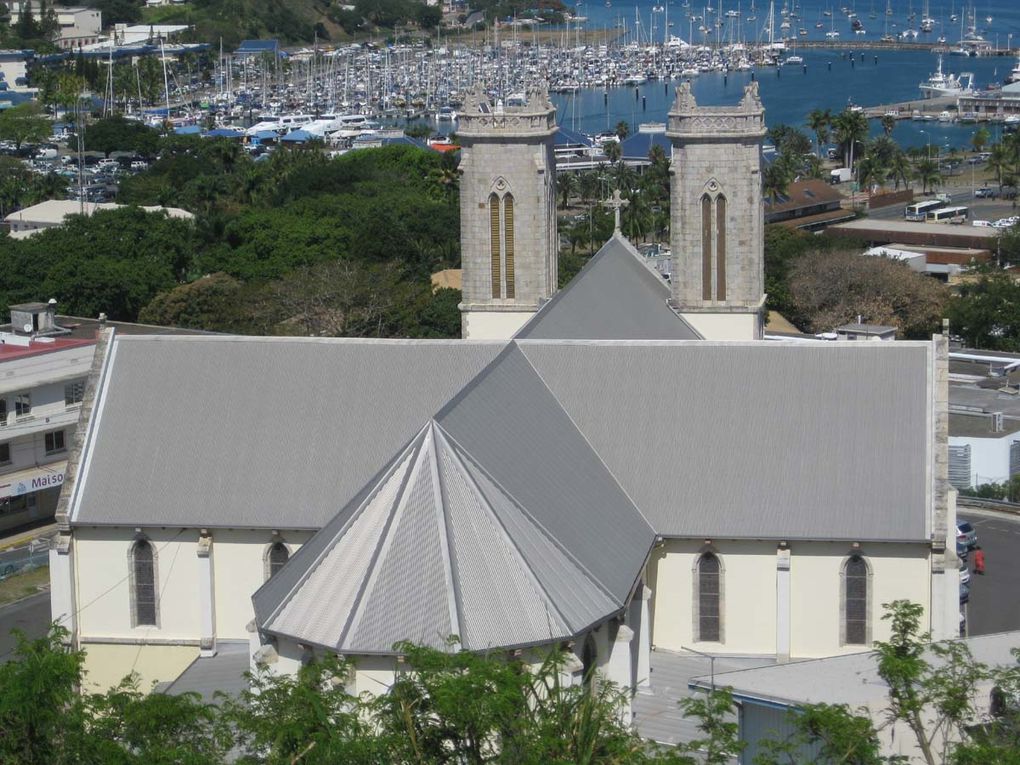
x=454, y=707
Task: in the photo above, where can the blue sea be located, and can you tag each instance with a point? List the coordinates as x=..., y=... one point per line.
x=828, y=79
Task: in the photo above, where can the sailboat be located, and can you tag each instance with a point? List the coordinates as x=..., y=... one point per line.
x=927, y=22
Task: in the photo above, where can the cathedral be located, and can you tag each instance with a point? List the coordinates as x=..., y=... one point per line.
x=620, y=467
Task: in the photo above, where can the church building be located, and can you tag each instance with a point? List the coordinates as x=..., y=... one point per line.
x=620, y=467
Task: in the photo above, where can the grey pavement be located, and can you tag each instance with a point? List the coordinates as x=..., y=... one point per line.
x=31, y=616
x=995, y=597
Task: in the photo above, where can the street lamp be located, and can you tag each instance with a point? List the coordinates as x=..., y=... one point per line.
x=928, y=137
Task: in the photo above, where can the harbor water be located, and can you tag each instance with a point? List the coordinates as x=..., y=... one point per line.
x=827, y=78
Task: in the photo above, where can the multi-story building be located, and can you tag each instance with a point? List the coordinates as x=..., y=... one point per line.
x=43, y=369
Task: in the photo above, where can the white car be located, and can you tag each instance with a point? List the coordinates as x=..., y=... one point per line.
x=981, y=223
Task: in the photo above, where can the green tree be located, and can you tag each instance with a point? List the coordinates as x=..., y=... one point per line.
x=980, y=139
x=118, y=134
x=888, y=124
x=928, y=174
x=819, y=121
x=622, y=130
x=986, y=312
x=851, y=129
x=24, y=123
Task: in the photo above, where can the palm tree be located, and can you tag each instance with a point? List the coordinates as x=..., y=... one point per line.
x=999, y=163
x=851, y=129
x=888, y=124
x=622, y=129
x=775, y=180
x=566, y=185
x=870, y=172
x=899, y=168
x=928, y=174
x=819, y=121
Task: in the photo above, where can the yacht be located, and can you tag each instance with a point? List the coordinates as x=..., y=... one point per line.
x=446, y=114
x=940, y=84
x=1014, y=76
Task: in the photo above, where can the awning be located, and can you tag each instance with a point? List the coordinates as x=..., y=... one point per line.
x=33, y=479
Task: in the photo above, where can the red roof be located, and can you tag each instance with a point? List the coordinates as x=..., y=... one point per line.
x=10, y=352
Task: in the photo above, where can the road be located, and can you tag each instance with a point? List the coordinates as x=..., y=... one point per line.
x=995, y=597
x=31, y=616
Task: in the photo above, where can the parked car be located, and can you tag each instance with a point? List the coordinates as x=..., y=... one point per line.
x=964, y=572
x=966, y=534
x=985, y=192
x=964, y=593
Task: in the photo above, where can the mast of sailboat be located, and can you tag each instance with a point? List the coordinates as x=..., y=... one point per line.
x=166, y=82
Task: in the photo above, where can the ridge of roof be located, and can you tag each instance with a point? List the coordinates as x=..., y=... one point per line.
x=615, y=295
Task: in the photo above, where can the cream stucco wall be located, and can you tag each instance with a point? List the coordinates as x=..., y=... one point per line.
x=725, y=326
x=493, y=325
x=749, y=599
x=107, y=664
x=101, y=560
x=102, y=591
x=238, y=570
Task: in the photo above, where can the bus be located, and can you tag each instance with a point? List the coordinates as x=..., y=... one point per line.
x=918, y=211
x=948, y=215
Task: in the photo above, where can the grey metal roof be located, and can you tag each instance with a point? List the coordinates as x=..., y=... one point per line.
x=435, y=549
x=616, y=296
x=769, y=440
x=222, y=673
x=257, y=432
x=852, y=679
x=510, y=422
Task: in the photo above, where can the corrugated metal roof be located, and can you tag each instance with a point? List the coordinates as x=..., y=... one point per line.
x=798, y=441
x=510, y=423
x=616, y=296
x=258, y=432
x=426, y=555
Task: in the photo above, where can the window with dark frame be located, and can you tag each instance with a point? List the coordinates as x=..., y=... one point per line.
x=3, y=411
x=74, y=393
x=55, y=442
x=23, y=404
x=709, y=627
x=144, y=583
x=278, y=557
x=855, y=580
x=5, y=454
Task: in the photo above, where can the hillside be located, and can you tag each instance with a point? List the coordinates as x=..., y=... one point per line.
x=290, y=21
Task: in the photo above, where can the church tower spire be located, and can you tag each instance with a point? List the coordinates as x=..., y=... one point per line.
x=717, y=217
x=508, y=237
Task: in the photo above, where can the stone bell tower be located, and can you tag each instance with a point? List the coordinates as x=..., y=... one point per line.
x=716, y=213
x=508, y=237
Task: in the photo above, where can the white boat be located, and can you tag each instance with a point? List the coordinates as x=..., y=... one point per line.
x=1014, y=76
x=941, y=84
x=946, y=116
x=446, y=114
x=794, y=60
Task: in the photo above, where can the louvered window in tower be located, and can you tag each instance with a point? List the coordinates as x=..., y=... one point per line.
x=720, y=247
x=495, y=254
x=706, y=247
x=709, y=627
x=143, y=583
x=508, y=241
x=855, y=581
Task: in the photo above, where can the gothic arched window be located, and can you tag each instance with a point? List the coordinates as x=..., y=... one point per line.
x=276, y=558
x=501, y=245
x=855, y=601
x=709, y=598
x=706, y=247
x=143, y=584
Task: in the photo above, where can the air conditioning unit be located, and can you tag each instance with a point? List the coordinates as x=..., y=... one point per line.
x=997, y=422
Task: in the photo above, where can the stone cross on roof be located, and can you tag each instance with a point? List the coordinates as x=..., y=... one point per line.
x=617, y=203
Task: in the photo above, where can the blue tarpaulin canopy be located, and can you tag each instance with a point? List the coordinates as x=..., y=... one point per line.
x=188, y=130
x=298, y=136
x=224, y=133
